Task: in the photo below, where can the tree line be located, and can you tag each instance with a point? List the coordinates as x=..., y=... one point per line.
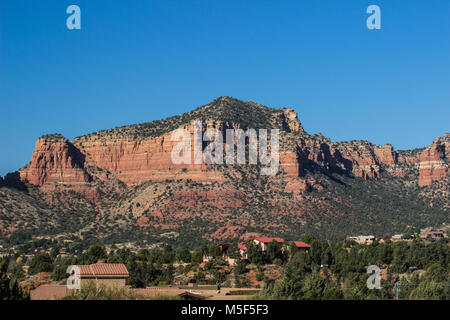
x=330, y=270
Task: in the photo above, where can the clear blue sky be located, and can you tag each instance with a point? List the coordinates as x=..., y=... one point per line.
x=136, y=61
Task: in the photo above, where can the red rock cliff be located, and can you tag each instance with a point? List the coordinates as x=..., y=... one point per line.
x=134, y=158
x=140, y=160
x=55, y=160
x=434, y=161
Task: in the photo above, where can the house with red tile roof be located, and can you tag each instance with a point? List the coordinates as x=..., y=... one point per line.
x=301, y=245
x=264, y=241
x=108, y=274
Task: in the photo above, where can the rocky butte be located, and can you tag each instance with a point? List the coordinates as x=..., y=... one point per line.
x=127, y=171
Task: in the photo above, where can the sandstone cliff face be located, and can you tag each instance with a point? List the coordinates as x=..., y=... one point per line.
x=290, y=163
x=359, y=158
x=55, y=160
x=135, y=160
x=366, y=160
x=386, y=154
x=434, y=161
x=138, y=161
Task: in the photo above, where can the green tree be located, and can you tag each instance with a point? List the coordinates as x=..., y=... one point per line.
x=400, y=257
x=16, y=272
x=255, y=253
x=136, y=273
x=219, y=277
x=40, y=263
x=233, y=251
x=197, y=257
x=59, y=272
x=314, y=286
x=95, y=253
x=435, y=285
x=9, y=289
x=240, y=267
x=214, y=250
x=274, y=251
x=290, y=286
x=183, y=255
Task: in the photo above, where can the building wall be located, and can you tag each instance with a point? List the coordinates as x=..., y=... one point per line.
x=263, y=245
x=49, y=292
x=363, y=239
x=108, y=282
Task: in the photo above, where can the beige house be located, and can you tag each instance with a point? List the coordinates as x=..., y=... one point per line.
x=108, y=274
x=264, y=241
x=433, y=235
x=362, y=239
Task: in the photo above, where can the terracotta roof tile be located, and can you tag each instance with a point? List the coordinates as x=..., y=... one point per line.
x=103, y=269
x=301, y=244
x=268, y=239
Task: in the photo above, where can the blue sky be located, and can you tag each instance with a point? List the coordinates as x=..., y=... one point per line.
x=137, y=61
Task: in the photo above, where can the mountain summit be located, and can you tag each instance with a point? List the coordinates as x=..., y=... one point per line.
x=121, y=185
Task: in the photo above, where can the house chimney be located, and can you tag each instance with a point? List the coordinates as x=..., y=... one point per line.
x=101, y=261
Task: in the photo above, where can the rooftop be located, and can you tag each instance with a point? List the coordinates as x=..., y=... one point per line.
x=103, y=269
x=300, y=244
x=268, y=239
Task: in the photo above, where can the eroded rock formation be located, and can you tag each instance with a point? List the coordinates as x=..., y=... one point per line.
x=135, y=160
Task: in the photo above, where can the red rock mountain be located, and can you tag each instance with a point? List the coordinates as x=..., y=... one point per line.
x=133, y=163
x=433, y=162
